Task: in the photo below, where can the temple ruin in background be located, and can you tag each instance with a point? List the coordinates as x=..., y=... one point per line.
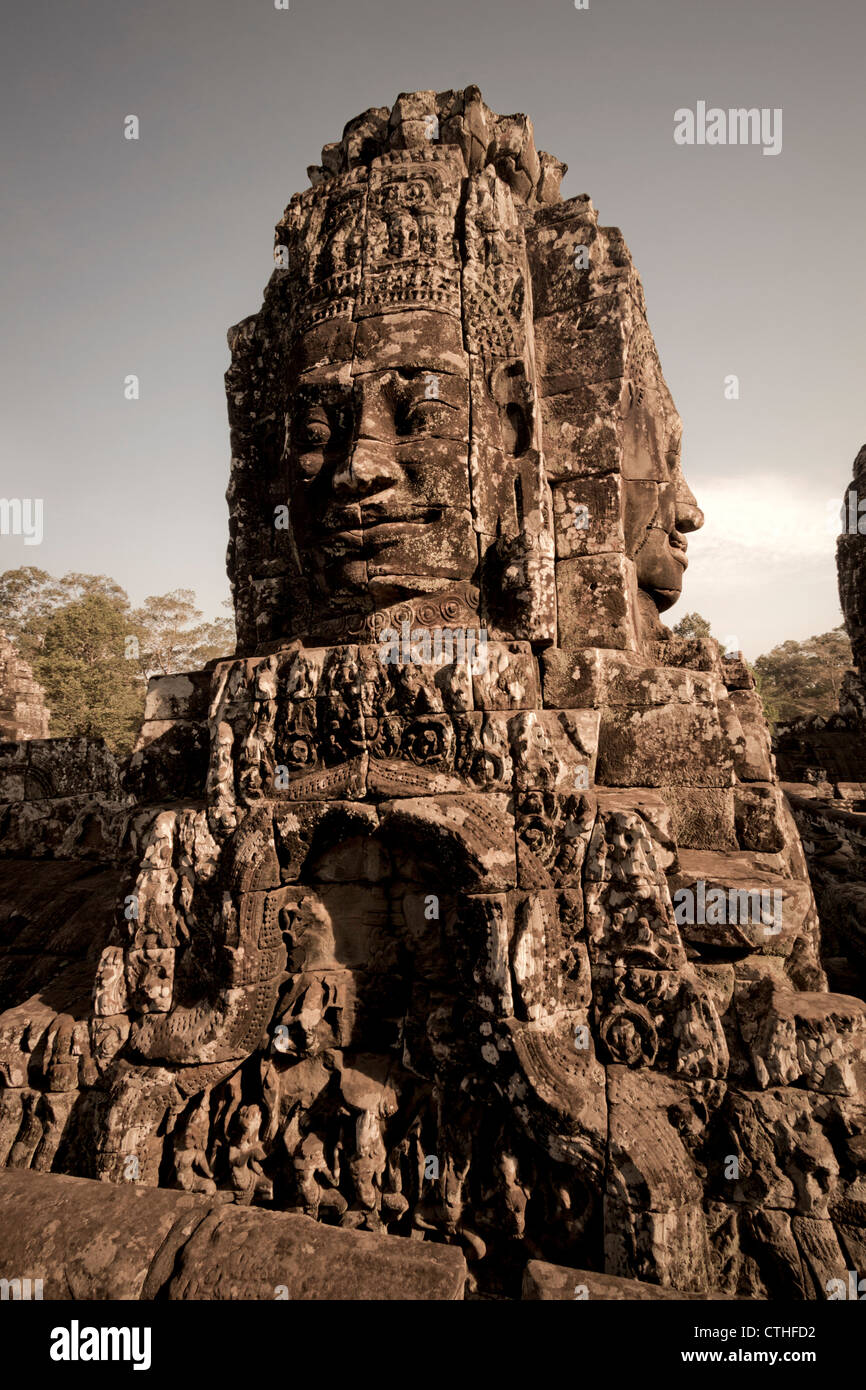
x=23, y=714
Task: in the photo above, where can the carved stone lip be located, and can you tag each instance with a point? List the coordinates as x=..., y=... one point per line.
x=679, y=545
x=376, y=514
x=385, y=528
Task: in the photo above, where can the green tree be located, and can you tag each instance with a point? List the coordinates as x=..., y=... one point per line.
x=30, y=596
x=797, y=679
x=92, y=653
x=692, y=625
x=767, y=694
x=173, y=637
x=91, y=687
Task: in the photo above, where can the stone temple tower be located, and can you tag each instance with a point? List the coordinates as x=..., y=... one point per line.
x=23, y=714
x=464, y=905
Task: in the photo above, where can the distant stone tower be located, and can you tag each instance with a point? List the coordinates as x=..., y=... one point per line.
x=822, y=764
x=851, y=566
x=23, y=714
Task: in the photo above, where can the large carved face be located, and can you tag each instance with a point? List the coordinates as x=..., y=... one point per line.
x=376, y=447
x=451, y=385
x=659, y=508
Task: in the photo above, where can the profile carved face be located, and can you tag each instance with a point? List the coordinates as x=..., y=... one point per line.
x=659, y=508
x=376, y=447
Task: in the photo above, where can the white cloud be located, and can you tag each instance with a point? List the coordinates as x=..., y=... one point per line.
x=764, y=564
x=781, y=520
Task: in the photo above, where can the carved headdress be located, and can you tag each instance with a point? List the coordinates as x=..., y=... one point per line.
x=439, y=221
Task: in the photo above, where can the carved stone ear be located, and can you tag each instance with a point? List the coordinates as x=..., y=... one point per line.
x=513, y=390
x=516, y=430
x=525, y=604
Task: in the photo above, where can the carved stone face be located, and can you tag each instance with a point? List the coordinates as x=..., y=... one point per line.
x=377, y=455
x=378, y=473
x=659, y=508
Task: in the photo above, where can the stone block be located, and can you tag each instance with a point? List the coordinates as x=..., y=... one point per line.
x=668, y=745
x=241, y=1254
x=758, y=816
x=703, y=817
x=86, y=1239
x=509, y=680
x=653, y=809
x=732, y=901
x=91, y=1240
x=755, y=763
x=182, y=696
x=549, y=1283
x=597, y=603
x=587, y=517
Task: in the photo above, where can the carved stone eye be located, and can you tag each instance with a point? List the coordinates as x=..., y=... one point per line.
x=313, y=433
x=419, y=416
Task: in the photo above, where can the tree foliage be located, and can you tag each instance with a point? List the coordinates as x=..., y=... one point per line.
x=92, y=652
x=30, y=597
x=797, y=679
x=692, y=625
x=172, y=636
x=90, y=686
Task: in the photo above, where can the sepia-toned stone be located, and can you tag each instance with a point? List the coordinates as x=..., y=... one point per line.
x=389, y=953
x=23, y=714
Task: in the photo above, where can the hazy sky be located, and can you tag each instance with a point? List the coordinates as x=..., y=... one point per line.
x=135, y=257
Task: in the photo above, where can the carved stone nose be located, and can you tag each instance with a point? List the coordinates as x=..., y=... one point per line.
x=689, y=516
x=368, y=469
